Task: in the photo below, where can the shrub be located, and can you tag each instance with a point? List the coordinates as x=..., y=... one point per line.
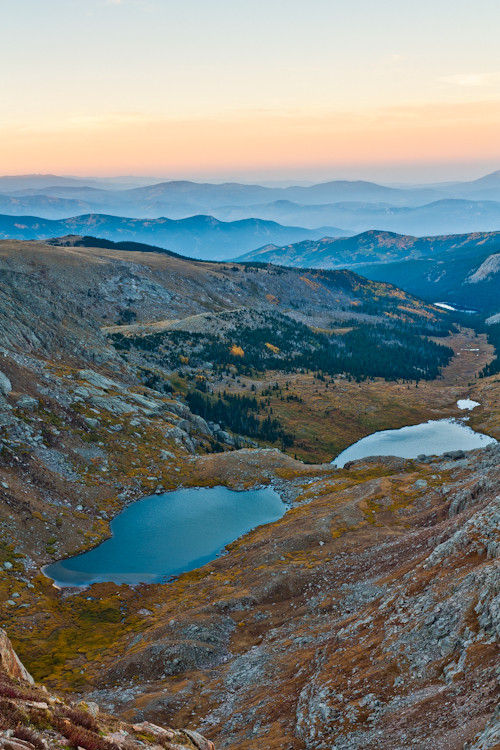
x=78, y=736
x=9, y=689
x=11, y=714
x=80, y=717
x=41, y=719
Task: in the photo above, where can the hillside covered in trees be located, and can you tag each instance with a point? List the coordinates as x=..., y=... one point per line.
x=256, y=345
x=275, y=342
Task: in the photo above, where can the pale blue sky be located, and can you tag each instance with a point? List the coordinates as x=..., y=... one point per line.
x=69, y=64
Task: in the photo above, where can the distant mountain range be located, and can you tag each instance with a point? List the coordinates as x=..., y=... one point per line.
x=355, y=206
x=220, y=221
x=198, y=236
x=210, y=195
x=447, y=216
x=459, y=269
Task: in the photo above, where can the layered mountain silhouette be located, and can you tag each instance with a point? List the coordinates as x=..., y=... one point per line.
x=354, y=206
x=447, y=216
x=198, y=236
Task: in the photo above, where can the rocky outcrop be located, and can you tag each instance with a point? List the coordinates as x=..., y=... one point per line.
x=493, y=319
x=489, y=267
x=33, y=719
x=489, y=737
x=10, y=662
x=9, y=741
x=177, y=648
x=198, y=741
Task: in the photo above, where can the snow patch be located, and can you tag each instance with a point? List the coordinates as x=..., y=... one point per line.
x=467, y=403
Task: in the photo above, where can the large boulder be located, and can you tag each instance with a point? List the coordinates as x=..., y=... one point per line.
x=5, y=384
x=99, y=381
x=201, y=743
x=27, y=402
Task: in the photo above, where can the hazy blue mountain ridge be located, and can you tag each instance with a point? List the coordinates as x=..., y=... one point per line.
x=198, y=236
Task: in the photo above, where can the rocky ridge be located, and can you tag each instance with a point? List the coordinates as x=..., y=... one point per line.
x=33, y=719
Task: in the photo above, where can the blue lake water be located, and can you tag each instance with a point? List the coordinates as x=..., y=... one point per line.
x=167, y=534
x=432, y=438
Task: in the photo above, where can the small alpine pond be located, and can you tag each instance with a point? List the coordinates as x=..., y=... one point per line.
x=164, y=535
x=430, y=438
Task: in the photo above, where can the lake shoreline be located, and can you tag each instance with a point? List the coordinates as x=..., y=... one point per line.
x=161, y=536
x=423, y=438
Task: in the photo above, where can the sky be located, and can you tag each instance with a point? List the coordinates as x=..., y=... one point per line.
x=393, y=90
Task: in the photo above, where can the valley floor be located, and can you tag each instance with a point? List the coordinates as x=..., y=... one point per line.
x=365, y=613
x=366, y=617
x=325, y=418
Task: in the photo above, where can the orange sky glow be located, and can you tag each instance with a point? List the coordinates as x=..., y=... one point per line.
x=155, y=87
x=128, y=144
